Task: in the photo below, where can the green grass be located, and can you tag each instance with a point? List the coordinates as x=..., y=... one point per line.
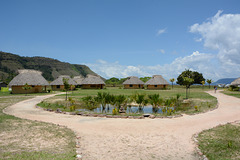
x=25, y=139
x=221, y=143
x=232, y=93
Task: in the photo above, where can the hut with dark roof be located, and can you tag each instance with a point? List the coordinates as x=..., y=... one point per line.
x=157, y=82
x=58, y=85
x=93, y=82
x=133, y=83
x=236, y=82
x=78, y=80
x=33, y=78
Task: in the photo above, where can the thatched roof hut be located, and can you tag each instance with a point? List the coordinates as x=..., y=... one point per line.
x=58, y=84
x=133, y=83
x=78, y=80
x=236, y=82
x=32, y=77
x=156, y=82
x=93, y=82
x=59, y=80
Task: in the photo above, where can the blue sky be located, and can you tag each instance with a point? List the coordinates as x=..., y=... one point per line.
x=127, y=37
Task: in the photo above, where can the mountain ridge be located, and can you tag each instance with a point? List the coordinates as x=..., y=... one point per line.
x=224, y=81
x=50, y=68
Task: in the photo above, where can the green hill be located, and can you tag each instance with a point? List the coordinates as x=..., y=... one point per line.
x=51, y=68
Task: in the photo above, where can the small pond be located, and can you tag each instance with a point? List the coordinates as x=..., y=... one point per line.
x=129, y=109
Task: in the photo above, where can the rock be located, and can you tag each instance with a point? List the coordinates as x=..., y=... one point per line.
x=101, y=115
x=124, y=117
x=131, y=117
x=94, y=115
x=79, y=113
x=152, y=116
x=72, y=113
x=58, y=110
x=109, y=116
x=78, y=156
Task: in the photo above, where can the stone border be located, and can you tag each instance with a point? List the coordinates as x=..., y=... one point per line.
x=109, y=116
x=199, y=152
x=121, y=116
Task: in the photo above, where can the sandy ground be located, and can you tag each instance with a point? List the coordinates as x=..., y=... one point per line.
x=135, y=139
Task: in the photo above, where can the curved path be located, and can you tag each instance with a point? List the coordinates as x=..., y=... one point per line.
x=107, y=138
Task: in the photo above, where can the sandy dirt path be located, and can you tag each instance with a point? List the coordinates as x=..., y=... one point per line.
x=135, y=139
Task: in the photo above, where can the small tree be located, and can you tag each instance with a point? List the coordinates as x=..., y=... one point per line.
x=172, y=80
x=26, y=87
x=203, y=83
x=187, y=82
x=66, y=86
x=209, y=81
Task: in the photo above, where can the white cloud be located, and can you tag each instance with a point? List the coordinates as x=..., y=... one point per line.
x=196, y=61
x=221, y=33
x=161, y=51
x=161, y=31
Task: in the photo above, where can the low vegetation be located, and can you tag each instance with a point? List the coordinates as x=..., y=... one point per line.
x=222, y=142
x=24, y=139
x=232, y=93
x=113, y=100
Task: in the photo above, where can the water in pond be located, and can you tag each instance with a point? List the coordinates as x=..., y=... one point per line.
x=129, y=109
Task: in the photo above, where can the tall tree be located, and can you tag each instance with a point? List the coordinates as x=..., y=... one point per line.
x=187, y=82
x=66, y=86
x=209, y=81
x=172, y=80
x=197, y=77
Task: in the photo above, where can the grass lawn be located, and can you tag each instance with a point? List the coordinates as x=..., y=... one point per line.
x=221, y=143
x=232, y=93
x=200, y=98
x=24, y=139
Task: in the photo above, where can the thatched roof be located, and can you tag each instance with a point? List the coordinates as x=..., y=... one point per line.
x=157, y=80
x=133, y=80
x=59, y=80
x=236, y=82
x=91, y=79
x=78, y=79
x=31, y=77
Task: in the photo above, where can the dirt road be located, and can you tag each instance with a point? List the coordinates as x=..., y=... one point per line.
x=124, y=139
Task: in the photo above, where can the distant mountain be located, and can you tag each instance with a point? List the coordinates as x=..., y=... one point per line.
x=51, y=68
x=224, y=81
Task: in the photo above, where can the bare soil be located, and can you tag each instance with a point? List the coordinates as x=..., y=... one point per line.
x=109, y=138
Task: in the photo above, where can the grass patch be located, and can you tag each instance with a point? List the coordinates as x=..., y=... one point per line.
x=25, y=139
x=222, y=142
x=232, y=93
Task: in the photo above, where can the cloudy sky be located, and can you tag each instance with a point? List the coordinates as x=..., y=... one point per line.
x=120, y=38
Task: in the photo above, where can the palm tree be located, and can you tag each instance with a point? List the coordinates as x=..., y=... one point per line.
x=119, y=100
x=101, y=99
x=155, y=101
x=141, y=101
x=90, y=102
x=172, y=80
x=209, y=81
